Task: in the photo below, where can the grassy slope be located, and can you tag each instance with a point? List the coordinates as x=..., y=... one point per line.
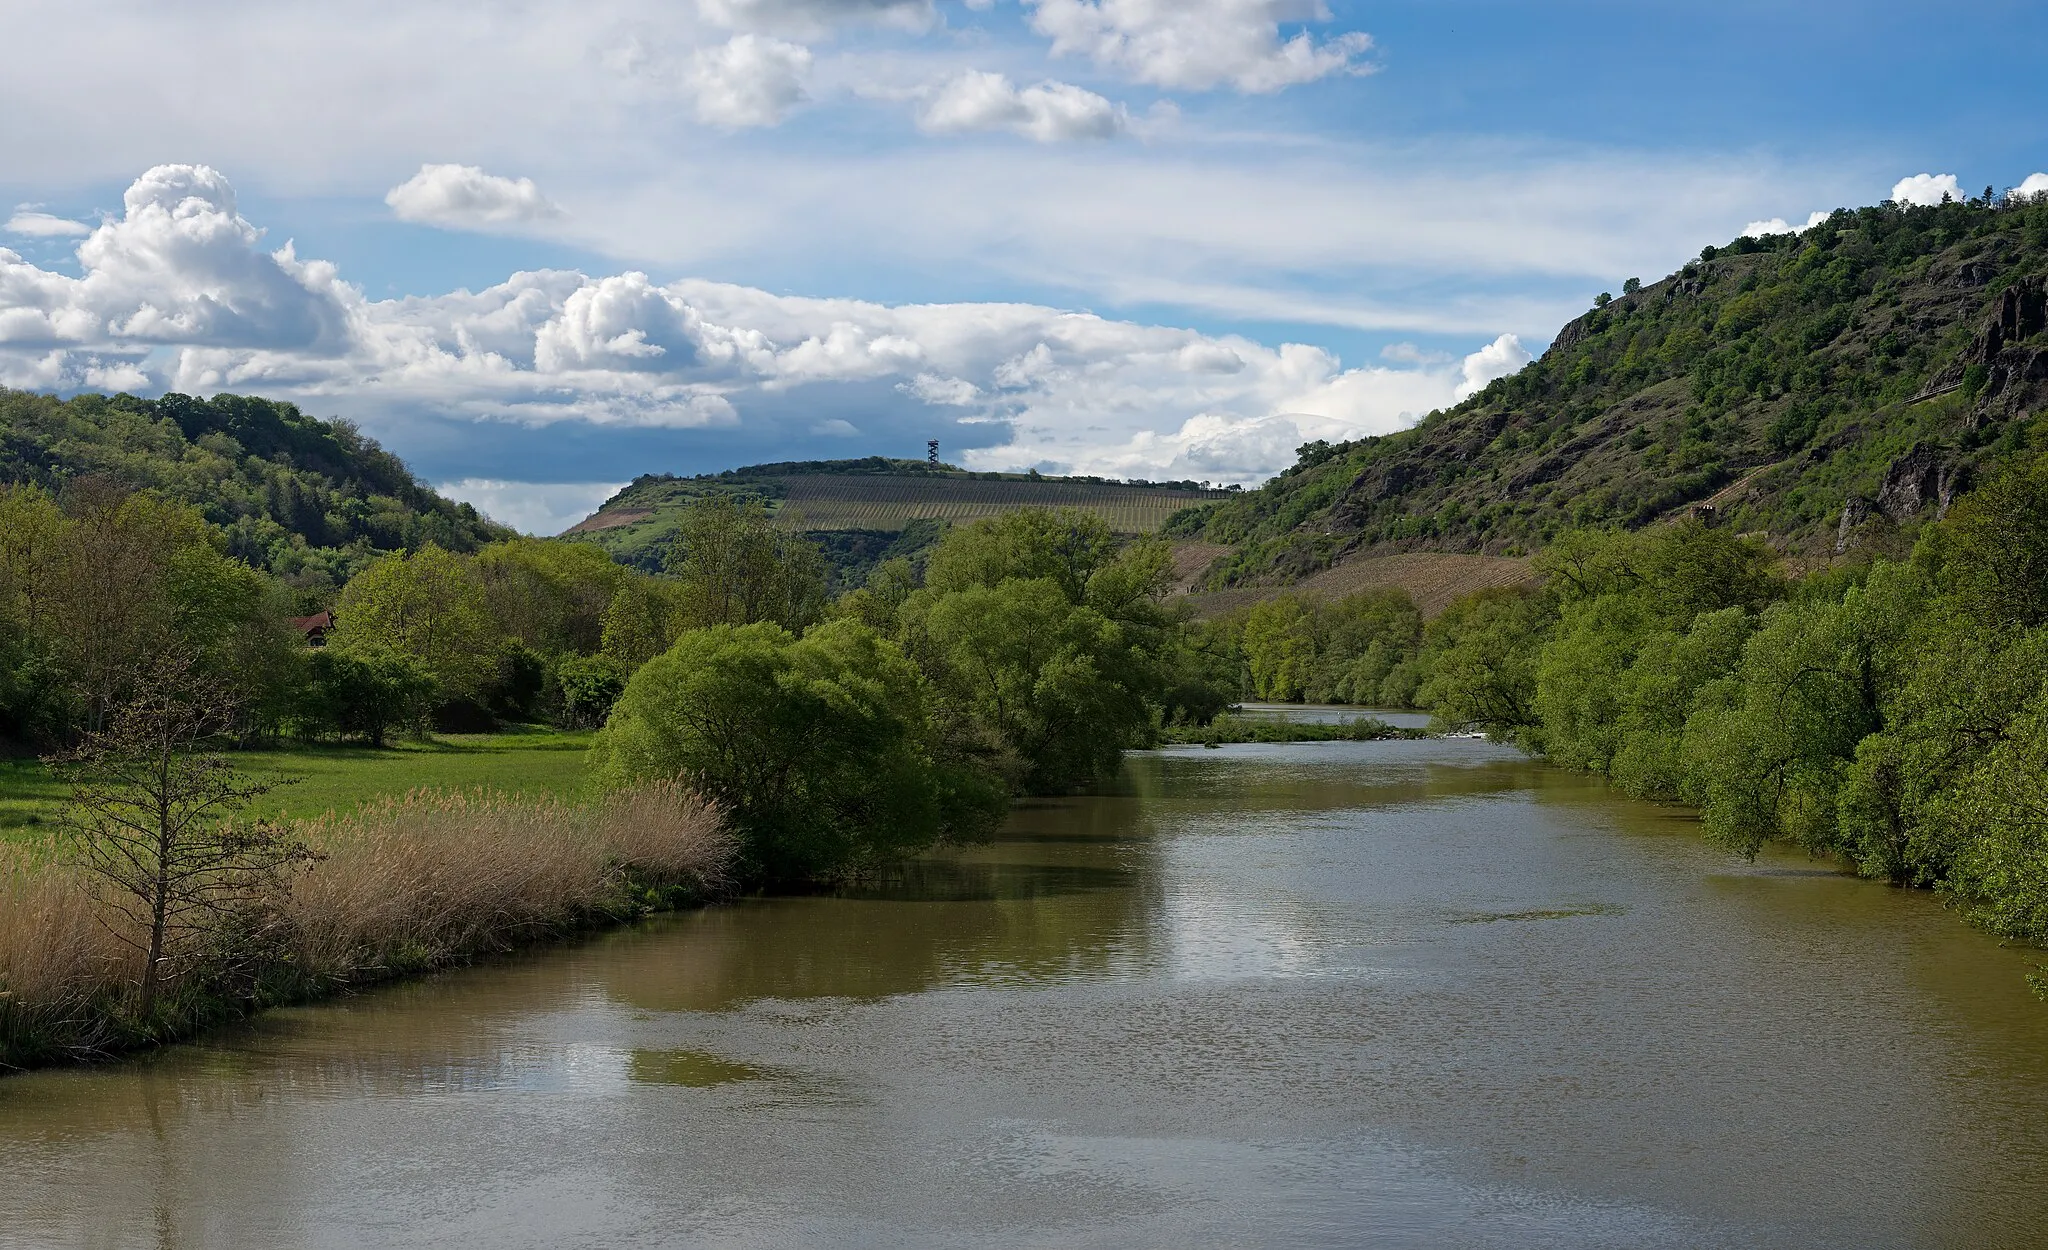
x=337, y=778
x=1783, y=379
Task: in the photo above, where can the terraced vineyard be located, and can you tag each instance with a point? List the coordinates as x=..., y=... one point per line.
x=860, y=510
x=889, y=503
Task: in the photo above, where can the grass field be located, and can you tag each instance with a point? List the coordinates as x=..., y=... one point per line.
x=533, y=761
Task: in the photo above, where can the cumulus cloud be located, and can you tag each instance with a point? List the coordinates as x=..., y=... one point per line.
x=2036, y=184
x=30, y=223
x=1049, y=112
x=1778, y=225
x=464, y=197
x=1926, y=189
x=751, y=80
x=178, y=294
x=1201, y=44
x=540, y=508
x=1499, y=359
x=179, y=266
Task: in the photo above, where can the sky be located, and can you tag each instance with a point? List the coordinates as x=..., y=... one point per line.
x=541, y=248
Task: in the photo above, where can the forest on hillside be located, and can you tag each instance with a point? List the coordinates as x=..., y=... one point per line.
x=310, y=501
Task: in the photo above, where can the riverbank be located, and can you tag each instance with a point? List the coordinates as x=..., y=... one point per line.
x=398, y=886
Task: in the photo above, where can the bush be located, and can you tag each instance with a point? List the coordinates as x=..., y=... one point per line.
x=819, y=748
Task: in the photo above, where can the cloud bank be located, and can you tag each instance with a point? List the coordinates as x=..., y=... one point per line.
x=180, y=293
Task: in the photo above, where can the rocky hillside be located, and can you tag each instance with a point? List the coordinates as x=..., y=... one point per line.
x=1829, y=389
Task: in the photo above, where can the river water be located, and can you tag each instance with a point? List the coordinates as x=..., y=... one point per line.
x=1388, y=994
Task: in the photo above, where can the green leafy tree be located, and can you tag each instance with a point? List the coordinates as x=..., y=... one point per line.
x=427, y=605
x=818, y=748
x=368, y=693
x=734, y=567
x=1055, y=682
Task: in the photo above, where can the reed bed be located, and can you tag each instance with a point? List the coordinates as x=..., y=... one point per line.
x=400, y=886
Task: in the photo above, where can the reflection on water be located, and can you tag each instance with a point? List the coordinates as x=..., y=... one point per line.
x=1396, y=994
x=1330, y=714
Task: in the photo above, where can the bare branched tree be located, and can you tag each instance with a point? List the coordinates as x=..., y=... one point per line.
x=152, y=819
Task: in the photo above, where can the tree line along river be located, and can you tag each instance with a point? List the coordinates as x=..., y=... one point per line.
x=1407, y=993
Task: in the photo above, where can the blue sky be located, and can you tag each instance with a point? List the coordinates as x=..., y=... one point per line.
x=539, y=248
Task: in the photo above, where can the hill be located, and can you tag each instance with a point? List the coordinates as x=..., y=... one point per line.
x=1830, y=389
x=863, y=511
x=306, y=499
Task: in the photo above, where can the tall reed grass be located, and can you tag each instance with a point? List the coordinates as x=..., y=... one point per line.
x=399, y=886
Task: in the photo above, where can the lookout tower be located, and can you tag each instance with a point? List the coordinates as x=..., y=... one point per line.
x=931, y=453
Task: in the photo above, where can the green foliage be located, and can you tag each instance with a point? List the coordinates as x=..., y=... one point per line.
x=1806, y=359
x=367, y=694
x=1893, y=715
x=106, y=585
x=590, y=686
x=309, y=501
x=428, y=606
x=1361, y=649
x=734, y=567
x=819, y=748
x=1058, y=684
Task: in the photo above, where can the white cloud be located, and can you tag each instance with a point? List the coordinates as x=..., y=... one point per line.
x=1498, y=359
x=541, y=508
x=1925, y=189
x=465, y=197
x=2035, y=184
x=178, y=294
x=1201, y=44
x=1049, y=112
x=37, y=225
x=810, y=19
x=1778, y=225
x=180, y=266
x=751, y=80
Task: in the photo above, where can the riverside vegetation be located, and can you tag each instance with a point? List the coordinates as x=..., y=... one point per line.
x=765, y=733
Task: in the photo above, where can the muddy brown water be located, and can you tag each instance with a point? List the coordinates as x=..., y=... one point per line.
x=1343, y=994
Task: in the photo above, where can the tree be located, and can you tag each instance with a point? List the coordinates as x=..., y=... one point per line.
x=151, y=822
x=1065, y=546
x=366, y=693
x=1058, y=684
x=734, y=567
x=426, y=605
x=550, y=595
x=819, y=748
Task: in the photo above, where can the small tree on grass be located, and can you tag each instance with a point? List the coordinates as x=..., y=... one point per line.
x=152, y=821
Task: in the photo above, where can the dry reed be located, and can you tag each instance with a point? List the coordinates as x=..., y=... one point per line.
x=58, y=963
x=401, y=885
x=434, y=876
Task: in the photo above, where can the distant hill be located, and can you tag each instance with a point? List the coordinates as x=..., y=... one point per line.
x=1829, y=389
x=306, y=499
x=863, y=511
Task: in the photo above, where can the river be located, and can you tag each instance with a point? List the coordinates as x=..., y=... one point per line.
x=1412, y=993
